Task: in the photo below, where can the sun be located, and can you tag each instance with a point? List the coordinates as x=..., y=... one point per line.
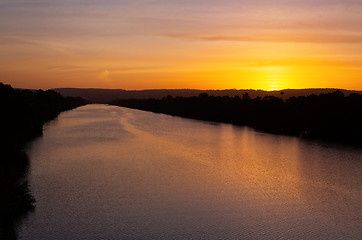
x=273, y=89
x=273, y=77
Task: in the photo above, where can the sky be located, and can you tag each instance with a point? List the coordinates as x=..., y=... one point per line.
x=203, y=44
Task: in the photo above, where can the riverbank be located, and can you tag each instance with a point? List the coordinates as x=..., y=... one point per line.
x=23, y=114
x=330, y=117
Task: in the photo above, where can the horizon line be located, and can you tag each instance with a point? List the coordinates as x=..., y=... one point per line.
x=196, y=89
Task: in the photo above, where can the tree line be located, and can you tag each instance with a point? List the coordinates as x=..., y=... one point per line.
x=332, y=116
x=22, y=116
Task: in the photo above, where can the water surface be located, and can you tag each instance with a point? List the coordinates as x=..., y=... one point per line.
x=105, y=172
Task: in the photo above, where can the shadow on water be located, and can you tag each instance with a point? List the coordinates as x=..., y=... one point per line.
x=23, y=114
x=16, y=199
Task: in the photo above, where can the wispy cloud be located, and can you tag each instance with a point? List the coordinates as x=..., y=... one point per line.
x=76, y=68
x=275, y=37
x=70, y=68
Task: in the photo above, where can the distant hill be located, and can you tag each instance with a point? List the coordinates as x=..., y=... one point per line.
x=107, y=95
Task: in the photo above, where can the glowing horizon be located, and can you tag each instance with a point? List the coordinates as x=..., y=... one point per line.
x=153, y=44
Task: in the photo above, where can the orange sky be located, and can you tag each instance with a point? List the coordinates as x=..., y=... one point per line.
x=214, y=44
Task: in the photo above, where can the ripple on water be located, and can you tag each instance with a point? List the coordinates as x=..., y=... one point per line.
x=103, y=172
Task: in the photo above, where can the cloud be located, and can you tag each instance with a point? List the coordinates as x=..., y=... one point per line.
x=104, y=76
x=139, y=69
x=276, y=37
x=104, y=73
x=72, y=69
x=313, y=61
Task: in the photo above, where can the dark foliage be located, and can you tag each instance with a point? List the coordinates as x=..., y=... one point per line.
x=22, y=115
x=331, y=116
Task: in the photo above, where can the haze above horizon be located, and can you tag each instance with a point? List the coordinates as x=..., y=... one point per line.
x=199, y=44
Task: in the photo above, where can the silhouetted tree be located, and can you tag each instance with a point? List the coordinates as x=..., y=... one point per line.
x=203, y=95
x=246, y=97
x=23, y=113
x=331, y=116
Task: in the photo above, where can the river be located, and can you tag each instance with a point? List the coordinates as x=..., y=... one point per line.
x=107, y=172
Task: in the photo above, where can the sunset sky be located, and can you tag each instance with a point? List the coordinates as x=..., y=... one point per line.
x=204, y=44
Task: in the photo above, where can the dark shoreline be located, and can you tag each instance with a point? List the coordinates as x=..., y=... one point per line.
x=330, y=117
x=23, y=114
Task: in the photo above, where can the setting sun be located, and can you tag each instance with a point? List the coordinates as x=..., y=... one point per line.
x=273, y=77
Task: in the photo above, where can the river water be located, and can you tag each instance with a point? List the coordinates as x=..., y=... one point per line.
x=106, y=172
